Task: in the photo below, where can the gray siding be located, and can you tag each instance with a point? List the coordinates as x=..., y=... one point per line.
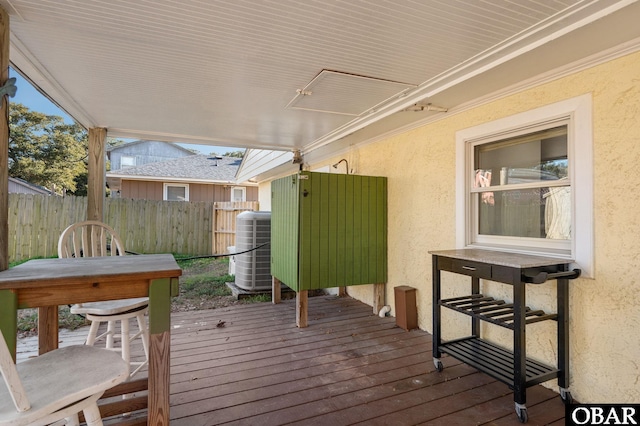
x=146, y=152
x=18, y=187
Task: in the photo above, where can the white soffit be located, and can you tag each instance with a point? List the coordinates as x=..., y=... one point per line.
x=223, y=72
x=339, y=92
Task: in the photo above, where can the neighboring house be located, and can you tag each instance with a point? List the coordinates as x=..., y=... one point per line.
x=20, y=186
x=142, y=152
x=191, y=178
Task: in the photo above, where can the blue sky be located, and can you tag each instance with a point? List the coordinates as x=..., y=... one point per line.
x=35, y=101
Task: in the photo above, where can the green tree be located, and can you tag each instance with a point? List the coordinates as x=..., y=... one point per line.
x=45, y=150
x=236, y=154
x=113, y=142
x=82, y=183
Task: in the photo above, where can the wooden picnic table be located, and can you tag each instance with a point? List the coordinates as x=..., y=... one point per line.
x=47, y=283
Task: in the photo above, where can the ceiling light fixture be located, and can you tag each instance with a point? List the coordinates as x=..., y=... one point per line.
x=425, y=107
x=297, y=157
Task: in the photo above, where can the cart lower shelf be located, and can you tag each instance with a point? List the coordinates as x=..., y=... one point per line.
x=495, y=361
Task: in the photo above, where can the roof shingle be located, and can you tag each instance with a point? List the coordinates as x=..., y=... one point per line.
x=200, y=167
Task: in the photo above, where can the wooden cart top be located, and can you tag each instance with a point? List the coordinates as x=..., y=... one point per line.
x=512, y=260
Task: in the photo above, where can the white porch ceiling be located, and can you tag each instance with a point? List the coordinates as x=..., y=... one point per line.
x=238, y=73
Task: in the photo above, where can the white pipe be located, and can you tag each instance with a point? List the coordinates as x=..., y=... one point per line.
x=383, y=312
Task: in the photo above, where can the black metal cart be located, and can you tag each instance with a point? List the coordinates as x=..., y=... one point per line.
x=517, y=270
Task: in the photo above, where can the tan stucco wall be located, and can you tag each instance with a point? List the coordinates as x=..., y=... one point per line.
x=605, y=311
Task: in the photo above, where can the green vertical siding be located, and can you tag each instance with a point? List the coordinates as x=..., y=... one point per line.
x=285, y=230
x=350, y=229
x=337, y=231
x=381, y=231
x=306, y=232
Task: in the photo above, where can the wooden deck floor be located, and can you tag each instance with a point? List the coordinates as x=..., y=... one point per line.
x=250, y=365
x=348, y=367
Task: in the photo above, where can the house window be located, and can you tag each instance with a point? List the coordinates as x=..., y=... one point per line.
x=127, y=161
x=521, y=188
x=238, y=193
x=176, y=192
x=525, y=183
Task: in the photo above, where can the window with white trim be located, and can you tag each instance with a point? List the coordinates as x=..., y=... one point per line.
x=127, y=161
x=524, y=183
x=176, y=192
x=238, y=193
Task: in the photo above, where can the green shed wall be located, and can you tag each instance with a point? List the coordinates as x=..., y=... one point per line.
x=341, y=223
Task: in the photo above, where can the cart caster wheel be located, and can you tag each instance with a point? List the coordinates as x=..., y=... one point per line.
x=438, y=365
x=566, y=397
x=521, y=412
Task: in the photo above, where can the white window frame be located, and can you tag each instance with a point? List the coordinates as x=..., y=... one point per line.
x=546, y=246
x=577, y=112
x=241, y=188
x=166, y=187
x=128, y=157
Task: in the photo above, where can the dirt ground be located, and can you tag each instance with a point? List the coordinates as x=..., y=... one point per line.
x=206, y=282
x=194, y=302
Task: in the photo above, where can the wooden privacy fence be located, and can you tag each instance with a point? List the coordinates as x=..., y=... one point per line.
x=36, y=222
x=224, y=223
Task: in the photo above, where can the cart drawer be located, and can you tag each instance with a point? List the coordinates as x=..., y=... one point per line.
x=465, y=267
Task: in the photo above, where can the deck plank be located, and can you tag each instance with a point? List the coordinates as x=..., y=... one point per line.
x=348, y=367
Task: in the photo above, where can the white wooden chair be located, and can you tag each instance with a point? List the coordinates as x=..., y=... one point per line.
x=95, y=239
x=58, y=385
